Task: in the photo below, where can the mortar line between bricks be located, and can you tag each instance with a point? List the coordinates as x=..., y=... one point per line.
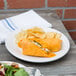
x=52, y=8
x=61, y=7
x=74, y=40
x=46, y=4
x=5, y=4
x=25, y=9
x=22, y=9
x=72, y=30
x=71, y=19
x=63, y=14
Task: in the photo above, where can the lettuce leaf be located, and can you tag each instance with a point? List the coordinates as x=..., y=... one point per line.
x=18, y=71
x=21, y=72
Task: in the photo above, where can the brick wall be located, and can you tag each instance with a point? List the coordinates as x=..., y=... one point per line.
x=66, y=9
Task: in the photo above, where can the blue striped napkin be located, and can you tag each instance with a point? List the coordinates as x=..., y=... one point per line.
x=24, y=20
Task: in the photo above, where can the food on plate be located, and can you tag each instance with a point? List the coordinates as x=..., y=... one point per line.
x=31, y=48
x=36, y=42
x=12, y=70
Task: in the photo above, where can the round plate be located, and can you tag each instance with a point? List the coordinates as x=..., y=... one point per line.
x=31, y=71
x=12, y=47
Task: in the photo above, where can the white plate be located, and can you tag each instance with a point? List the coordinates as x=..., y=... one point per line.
x=16, y=51
x=31, y=71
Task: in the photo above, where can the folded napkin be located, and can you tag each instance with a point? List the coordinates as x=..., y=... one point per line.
x=24, y=20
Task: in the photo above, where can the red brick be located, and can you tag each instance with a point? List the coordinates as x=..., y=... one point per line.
x=70, y=25
x=57, y=3
x=59, y=12
x=70, y=13
x=16, y=4
x=71, y=3
x=73, y=35
x=1, y=4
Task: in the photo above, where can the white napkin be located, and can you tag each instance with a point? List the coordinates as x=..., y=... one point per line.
x=24, y=20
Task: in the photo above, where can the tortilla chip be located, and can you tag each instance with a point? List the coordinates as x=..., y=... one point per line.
x=58, y=35
x=50, y=35
x=35, y=30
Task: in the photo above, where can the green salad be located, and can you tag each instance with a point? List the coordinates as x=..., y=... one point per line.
x=12, y=70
